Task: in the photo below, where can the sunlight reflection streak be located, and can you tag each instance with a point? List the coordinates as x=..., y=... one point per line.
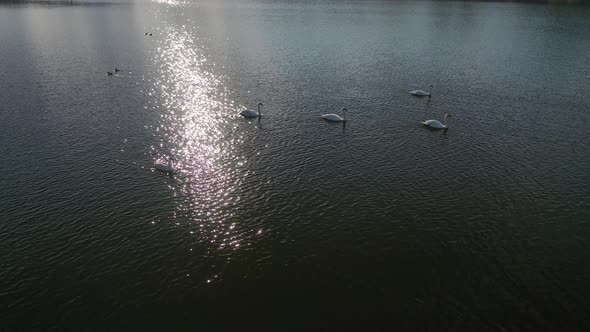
x=196, y=129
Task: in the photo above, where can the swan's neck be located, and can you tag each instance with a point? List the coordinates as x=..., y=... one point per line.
x=259, y=110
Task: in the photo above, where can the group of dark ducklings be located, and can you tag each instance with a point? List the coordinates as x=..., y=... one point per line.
x=111, y=73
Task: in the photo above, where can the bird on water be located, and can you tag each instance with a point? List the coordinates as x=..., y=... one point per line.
x=253, y=113
x=435, y=124
x=335, y=117
x=421, y=93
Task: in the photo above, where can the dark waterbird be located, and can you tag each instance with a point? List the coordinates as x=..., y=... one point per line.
x=109, y=73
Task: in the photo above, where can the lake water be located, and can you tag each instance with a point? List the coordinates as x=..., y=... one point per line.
x=295, y=222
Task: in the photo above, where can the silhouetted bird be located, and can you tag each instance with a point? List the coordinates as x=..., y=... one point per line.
x=150, y=34
x=146, y=33
x=117, y=70
x=109, y=73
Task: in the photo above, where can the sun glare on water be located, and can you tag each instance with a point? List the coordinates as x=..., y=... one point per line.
x=197, y=122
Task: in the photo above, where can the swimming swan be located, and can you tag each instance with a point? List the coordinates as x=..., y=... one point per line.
x=166, y=168
x=335, y=117
x=435, y=124
x=420, y=93
x=252, y=113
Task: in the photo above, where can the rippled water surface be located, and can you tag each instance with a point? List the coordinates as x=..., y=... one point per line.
x=295, y=222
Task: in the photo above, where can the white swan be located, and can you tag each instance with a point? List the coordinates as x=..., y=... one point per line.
x=335, y=117
x=166, y=168
x=435, y=124
x=421, y=93
x=252, y=113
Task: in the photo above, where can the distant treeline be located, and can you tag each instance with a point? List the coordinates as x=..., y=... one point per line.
x=563, y=2
x=558, y=2
x=39, y=1
x=67, y=2
x=75, y=2
x=98, y=2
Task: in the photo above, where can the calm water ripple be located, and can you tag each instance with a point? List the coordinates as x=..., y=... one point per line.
x=295, y=220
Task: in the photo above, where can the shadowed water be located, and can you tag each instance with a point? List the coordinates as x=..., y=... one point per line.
x=295, y=220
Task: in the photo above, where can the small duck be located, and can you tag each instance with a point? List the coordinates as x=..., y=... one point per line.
x=150, y=34
x=117, y=70
x=146, y=33
x=109, y=73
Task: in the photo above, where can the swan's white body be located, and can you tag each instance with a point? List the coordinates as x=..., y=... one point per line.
x=332, y=117
x=166, y=168
x=435, y=124
x=421, y=93
x=335, y=117
x=251, y=113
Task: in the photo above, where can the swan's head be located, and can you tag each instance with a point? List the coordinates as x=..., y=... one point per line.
x=344, y=109
x=447, y=115
x=260, y=104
